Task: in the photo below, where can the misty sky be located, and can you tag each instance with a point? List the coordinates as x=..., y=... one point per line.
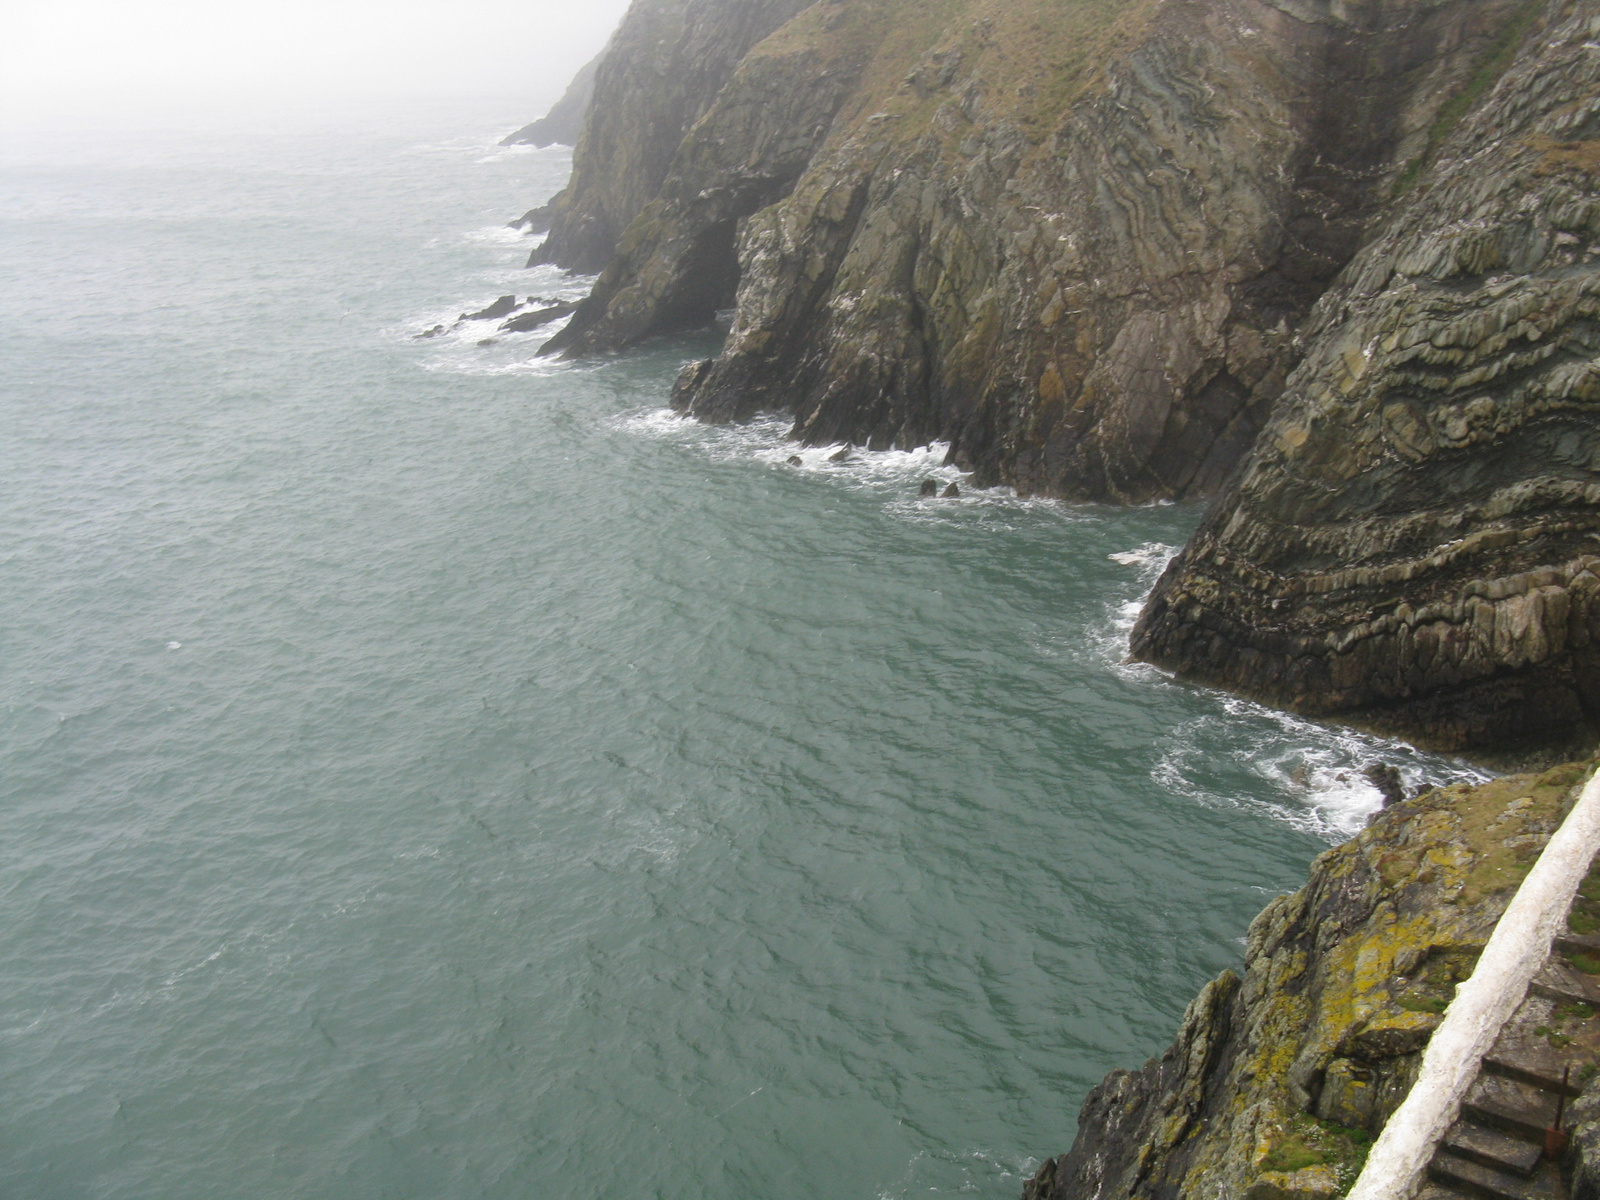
x=91, y=52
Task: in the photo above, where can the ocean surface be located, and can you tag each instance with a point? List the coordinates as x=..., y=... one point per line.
x=429, y=771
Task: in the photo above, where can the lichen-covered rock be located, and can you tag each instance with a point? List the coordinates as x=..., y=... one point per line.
x=1414, y=544
x=662, y=69
x=1278, y=1078
x=1072, y=237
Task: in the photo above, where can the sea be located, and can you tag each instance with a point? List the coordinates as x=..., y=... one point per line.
x=431, y=771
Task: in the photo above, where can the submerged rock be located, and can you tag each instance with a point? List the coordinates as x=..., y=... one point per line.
x=794, y=460
x=930, y=487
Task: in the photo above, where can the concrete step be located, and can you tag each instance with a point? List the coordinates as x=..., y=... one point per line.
x=1492, y=1148
x=1538, y=1068
x=1510, y=1106
x=1581, y=943
x=1475, y=1179
x=1560, y=980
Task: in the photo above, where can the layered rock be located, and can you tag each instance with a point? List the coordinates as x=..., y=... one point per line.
x=1073, y=239
x=1414, y=545
x=664, y=66
x=1279, y=1077
x=564, y=121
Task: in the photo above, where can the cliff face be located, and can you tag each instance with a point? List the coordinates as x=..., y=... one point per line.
x=662, y=69
x=564, y=121
x=1072, y=237
x=1412, y=545
x=1278, y=1078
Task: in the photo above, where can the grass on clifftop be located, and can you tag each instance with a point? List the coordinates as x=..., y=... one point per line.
x=1032, y=59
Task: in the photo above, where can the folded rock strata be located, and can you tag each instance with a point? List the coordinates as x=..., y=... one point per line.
x=1414, y=544
x=1074, y=238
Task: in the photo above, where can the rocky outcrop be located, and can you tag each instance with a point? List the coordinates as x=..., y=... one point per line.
x=564, y=121
x=1280, y=1076
x=1074, y=241
x=1414, y=544
x=664, y=66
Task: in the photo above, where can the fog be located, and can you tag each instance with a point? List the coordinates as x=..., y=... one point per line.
x=115, y=54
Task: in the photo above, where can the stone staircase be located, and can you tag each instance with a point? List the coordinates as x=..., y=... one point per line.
x=1545, y=1053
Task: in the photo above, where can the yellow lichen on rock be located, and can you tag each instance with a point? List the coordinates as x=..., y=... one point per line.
x=1279, y=1078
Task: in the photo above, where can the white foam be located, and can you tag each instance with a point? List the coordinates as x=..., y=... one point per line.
x=174, y=645
x=1312, y=772
x=496, y=235
x=896, y=473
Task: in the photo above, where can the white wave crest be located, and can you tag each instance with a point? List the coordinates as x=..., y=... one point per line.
x=899, y=473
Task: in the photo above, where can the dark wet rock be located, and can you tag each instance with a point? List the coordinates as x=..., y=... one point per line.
x=1411, y=545
x=502, y=307
x=930, y=487
x=564, y=121
x=535, y=220
x=436, y=331
x=794, y=460
x=525, y=322
x=841, y=456
x=488, y=341
x=952, y=492
x=688, y=381
x=1386, y=778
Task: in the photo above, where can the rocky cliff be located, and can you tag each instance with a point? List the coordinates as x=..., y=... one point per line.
x=564, y=121
x=1074, y=238
x=1413, y=543
x=1280, y=1076
x=665, y=65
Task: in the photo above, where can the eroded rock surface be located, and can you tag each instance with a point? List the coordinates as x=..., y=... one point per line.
x=1073, y=239
x=1414, y=544
x=1278, y=1078
x=664, y=66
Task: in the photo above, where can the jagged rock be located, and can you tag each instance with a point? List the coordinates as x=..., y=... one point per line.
x=662, y=69
x=1341, y=986
x=432, y=333
x=525, y=322
x=952, y=492
x=1386, y=778
x=930, y=487
x=688, y=380
x=564, y=121
x=840, y=456
x=1412, y=544
x=502, y=307
x=1076, y=243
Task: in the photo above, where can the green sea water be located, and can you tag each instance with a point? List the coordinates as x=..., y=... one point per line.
x=428, y=771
